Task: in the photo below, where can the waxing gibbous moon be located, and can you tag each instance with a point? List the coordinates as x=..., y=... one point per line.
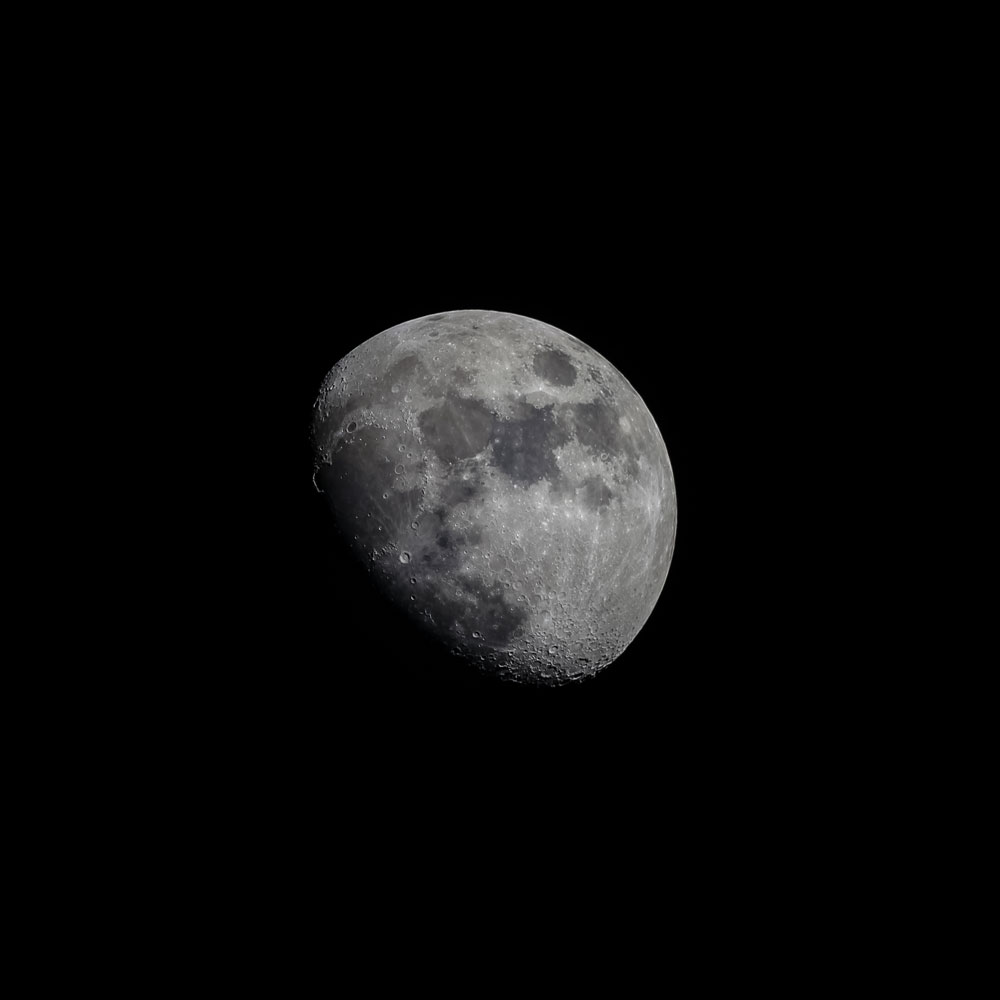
x=504, y=485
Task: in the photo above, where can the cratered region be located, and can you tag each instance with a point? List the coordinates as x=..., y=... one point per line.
x=504, y=485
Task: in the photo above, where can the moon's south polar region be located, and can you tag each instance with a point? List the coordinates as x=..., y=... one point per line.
x=505, y=485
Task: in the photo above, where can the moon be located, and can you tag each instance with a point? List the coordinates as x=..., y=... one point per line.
x=505, y=485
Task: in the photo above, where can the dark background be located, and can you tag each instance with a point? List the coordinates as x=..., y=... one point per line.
x=674, y=294
x=316, y=741
x=685, y=264
x=679, y=220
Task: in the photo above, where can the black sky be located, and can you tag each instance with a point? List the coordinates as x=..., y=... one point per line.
x=687, y=281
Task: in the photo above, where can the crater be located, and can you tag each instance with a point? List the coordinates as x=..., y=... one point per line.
x=524, y=447
x=595, y=493
x=465, y=488
x=357, y=484
x=597, y=429
x=450, y=539
x=555, y=367
x=490, y=614
x=458, y=428
x=402, y=370
x=477, y=607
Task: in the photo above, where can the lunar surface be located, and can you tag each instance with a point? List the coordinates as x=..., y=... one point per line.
x=505, y=485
